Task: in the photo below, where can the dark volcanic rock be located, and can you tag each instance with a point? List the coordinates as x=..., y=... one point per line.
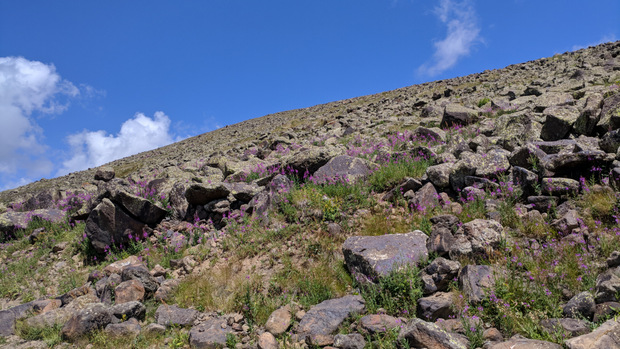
x=108, y=225
x=201, y=194
x=140, y=208
x=456, y=114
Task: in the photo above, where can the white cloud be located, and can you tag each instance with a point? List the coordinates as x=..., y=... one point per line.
x=604, y=39
x=138, y=134
x=27, y=87
x=462, y=32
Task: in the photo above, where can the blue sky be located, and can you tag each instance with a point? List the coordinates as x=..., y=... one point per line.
x=85, y=82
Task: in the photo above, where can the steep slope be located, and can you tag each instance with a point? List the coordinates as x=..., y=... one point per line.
x=479, y=211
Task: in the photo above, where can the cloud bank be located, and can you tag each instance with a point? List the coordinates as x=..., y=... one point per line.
x=462, y=33
x=138, y=134
x=27, y=87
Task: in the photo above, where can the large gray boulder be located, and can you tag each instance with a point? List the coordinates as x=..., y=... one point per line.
x=373, y=256
x=559, y=121
x=322, y=320
x=607, y=285
x=421, y=334
x=342, y=168
x=12, y=221
x=203, y=193
x=456, y=114
x=210, y=334
x=171, y=315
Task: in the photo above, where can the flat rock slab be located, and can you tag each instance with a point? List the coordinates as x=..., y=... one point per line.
x=323, y=319
x=605, y=336
x=570, y=327
x=170, y=315
x=374, y=256
x=422, y=334
x=524, y=343
x=209, y=334
x=342, y=168
x=201, y=194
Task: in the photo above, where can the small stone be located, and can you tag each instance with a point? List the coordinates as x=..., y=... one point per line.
x=267, y=341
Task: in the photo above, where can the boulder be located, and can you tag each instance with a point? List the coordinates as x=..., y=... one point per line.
x=243, y=191
x=610, y=115
x=109, y=225
x=118, y=266
x=171, y=315
x=140, y=208
x=379, y=323
x=374, y=256
x=342, y=168
x=438, y=305
x=580, y=162
x=279, y=321
x=129, y=328
x=267, y=341
x=569, y=327
x=440, y=273
x=605, y=336
x=80, y=324
x=478, y=237
x=560, y=186
x=580, y=306
x=476, y=281
x=559, y=121
x=349, y=341
x=421, y=334
x=201, y=193
x=607, y=285
x=425, y=199
x=210, y=334
x=132, y=309
x=439, y=175
x=322, y=320
x=456, y=114
x=441, y=241
x=7, y=323
x=610, y=142
x=105, y=173
x=525, y=179
x=141, y=274
x=127, y=291
x=12, y=221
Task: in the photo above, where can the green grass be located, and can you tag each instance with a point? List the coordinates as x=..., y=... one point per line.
x=50, y=335
x=391, y=174
x=397, y=293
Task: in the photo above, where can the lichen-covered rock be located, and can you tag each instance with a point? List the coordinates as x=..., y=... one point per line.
x=559, y=121
x=370, y=257
x=342, y=168
x=475, y=281
x=322, y=320
x=201, y=193
x=171, y=315
x=210, y=334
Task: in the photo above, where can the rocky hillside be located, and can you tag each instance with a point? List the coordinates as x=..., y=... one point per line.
x=479, y=211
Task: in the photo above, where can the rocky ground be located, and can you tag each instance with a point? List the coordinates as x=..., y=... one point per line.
x=479, y=211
